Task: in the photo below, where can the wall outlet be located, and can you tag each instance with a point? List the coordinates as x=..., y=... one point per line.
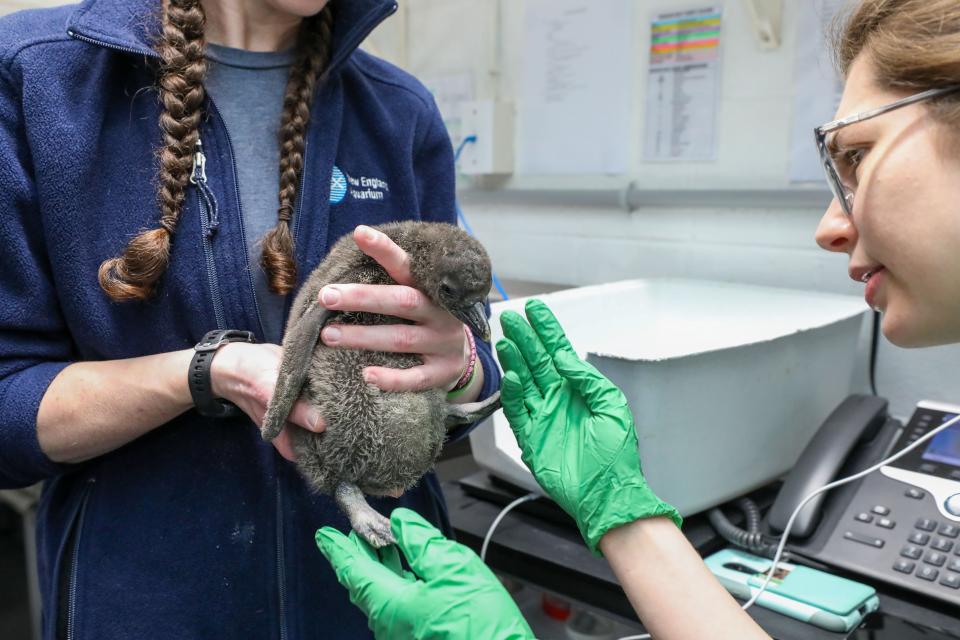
x=492, y=123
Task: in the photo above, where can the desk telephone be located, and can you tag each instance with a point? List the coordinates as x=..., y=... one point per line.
x=899, y=524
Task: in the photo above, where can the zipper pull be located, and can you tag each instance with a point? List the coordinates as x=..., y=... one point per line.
x=198, y=177
x=199, y=171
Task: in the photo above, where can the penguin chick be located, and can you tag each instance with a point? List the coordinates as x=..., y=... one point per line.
x=376, y=441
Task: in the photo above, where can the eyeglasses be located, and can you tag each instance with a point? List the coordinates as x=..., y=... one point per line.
x=841, y=190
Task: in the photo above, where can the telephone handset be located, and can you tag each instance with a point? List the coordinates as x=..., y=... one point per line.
x=856, y=421
x=900, y=524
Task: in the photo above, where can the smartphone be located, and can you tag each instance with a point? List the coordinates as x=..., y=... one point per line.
x=819, y=598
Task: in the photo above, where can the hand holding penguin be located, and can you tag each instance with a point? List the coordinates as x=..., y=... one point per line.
x=437, y=335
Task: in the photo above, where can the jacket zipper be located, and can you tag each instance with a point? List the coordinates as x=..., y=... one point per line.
x=209, y=223
x=100, y=43
x=281, y=573
x=72, y=597
x=236, y=193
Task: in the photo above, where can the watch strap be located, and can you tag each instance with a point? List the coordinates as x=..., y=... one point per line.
x=199, y=380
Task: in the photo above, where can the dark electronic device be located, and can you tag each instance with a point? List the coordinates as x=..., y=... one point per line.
x=900, y=524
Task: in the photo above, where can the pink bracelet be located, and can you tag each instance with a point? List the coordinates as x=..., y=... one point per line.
x=471, y=365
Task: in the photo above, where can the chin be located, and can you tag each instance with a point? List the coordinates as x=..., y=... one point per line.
x=910, y=332
x=302, y=8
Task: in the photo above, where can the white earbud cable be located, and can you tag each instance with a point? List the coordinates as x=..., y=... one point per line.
x=500, y=516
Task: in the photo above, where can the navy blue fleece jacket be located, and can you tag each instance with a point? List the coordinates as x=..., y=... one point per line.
x=197, y=529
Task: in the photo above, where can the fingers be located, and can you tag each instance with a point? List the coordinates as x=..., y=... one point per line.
x=428, y=552
x=283, y=445
x=385, y=251
x=511, y=397
x=388, y=556
x=386, y=299
x=369, y=582
x=602, y=396
x=512, y=361
x=547, y=327
x=538, y=360
x=420, y=378
x=306, y=416
x=392, y=338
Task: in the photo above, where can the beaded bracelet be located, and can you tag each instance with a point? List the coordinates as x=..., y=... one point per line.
x=467, y=376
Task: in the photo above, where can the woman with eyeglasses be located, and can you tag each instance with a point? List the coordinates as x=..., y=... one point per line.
x=892, y=162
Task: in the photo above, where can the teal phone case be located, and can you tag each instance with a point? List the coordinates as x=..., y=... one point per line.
x=819, y=598
x=816, y=588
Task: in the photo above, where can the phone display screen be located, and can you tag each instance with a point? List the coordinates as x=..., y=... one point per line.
x=945, y=446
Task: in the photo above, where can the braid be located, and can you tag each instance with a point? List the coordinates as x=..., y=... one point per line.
x=313, y=49
x=134, y=274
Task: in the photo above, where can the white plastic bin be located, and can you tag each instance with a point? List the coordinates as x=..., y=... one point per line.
x=727, y=382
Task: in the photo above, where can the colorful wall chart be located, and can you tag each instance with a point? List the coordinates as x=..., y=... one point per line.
x=683, y=86
x=685, y=38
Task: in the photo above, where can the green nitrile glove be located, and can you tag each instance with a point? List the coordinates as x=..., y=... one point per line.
x=450, y=595
x=574, y=427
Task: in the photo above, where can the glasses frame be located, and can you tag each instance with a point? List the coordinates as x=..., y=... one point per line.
x=842, y=192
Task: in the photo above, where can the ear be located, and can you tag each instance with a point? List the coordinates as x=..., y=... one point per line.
x=298, y=347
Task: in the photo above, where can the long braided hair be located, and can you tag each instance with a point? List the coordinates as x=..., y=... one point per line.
x=134, y=275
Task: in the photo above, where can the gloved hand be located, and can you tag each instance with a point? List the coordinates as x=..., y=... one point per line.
x=450, y=595
x=574, y=427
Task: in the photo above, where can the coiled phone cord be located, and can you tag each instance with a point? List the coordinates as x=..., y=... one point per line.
x=749, y=536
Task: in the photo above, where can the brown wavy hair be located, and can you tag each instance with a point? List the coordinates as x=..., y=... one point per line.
x=134, y=275
x=913, y=45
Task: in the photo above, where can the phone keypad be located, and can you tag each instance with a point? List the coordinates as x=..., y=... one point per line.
x=951, y=580
x=931, y=559
x=916, y=557
x=919, y=537
x=942, y=544
x=911, y=552
x=926, y=524
x=904, y=566
x=927, y=573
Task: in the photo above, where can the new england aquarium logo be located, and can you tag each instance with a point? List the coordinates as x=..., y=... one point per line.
x=338, y=186
x=370, y=188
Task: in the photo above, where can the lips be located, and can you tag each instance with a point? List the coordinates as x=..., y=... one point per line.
x=862, y=274
x=873, y=279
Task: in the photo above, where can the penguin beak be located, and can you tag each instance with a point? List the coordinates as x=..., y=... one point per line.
x=475, y=317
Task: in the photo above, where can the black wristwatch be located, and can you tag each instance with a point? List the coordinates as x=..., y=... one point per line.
x=201, y=388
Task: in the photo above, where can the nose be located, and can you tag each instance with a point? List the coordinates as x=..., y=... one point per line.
x=836, y=231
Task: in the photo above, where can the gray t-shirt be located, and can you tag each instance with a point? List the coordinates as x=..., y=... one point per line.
x=247, y=88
